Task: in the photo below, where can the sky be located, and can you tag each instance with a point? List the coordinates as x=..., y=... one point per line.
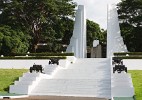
x=96, y=10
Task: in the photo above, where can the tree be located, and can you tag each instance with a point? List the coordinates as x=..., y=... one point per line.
x=68, y=30
x=39, y=18
x=130, y=15
x=12, y=41
x=94, y=33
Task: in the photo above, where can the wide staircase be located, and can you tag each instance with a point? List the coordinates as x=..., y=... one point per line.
x=28, y=81
x=87, y=77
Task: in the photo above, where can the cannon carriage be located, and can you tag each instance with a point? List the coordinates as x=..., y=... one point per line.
x=36, y=68
x=54, y=61
x=116, y=60
x=119, y=68
x=118, y=65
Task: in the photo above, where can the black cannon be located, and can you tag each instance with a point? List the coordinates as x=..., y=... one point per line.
x=116, y=60
x=37, y=68
x=54, y=61
x=119, y=68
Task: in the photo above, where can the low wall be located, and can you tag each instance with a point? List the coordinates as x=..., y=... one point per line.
x=21, y=64
x=26, y=64
x=133, y=64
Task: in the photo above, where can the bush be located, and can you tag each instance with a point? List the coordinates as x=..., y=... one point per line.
x=130, y=57
x=43, y=54
x=129, y=53
x=12, y=41
x=37, y=57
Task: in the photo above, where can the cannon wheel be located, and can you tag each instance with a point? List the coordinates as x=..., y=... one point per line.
x=113, y=70
x=49, y=62
x=57, y=63
x=121, y=62
x=126, y=69
x=31, y=69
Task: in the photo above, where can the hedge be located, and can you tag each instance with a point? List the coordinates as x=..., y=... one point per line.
x=43, y=54
x=36, y=57
x=130, y=57
x=129, y=53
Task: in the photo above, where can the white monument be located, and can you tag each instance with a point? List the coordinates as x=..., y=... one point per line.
x=88, y=77
x=114, y=39
x=78, y=40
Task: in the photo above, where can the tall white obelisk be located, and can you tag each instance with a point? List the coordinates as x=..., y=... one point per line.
x=78, y=40
x=114, y=39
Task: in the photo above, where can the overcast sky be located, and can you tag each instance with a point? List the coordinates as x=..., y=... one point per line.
x=96, y=10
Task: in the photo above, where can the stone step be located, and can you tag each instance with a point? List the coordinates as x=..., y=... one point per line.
x=125, y=91
x=87, y=68
x=23, y=82
x=122, y=85
x=28, y=78
x=121, y=75
x=28, y=74
x=85, y=77
x=82, y=74
x=50, y=69
x=73, y=87
x=89, y=62
x=44, y=97
x=20, y=89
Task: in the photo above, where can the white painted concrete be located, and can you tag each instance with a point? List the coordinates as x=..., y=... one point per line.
x=25, y=84
x=29, y=81
x=85, y=69
x=122, y=91
x=114, y=39
x=21, y=64
x=121, y=85
x=78, y=40
x=64, y=63
x=13, y=97
x=72, y=59
x=86, y=78
x=26, y=64
x=90, y=77
x=50, y=69
x=133, y=64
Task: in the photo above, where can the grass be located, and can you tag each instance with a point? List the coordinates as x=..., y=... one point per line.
x=8, y=76
x=137, y=82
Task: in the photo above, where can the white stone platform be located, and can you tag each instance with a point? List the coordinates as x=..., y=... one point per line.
x=122, y=86
x=84, y=78
x=29, y=81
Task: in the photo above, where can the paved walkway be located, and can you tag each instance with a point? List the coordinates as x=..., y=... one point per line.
x=123, y=98
x=57, y=98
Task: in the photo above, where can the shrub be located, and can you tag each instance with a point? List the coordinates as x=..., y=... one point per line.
x=36, y=57
x=43, y=54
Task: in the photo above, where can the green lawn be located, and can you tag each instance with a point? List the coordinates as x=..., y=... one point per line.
x=8, y=76
x=137, y=82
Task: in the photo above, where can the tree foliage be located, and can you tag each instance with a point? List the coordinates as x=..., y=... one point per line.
x=43, y=21
x=130, y=15
x=12, y=41
x=94, y=33
x=39, y=18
